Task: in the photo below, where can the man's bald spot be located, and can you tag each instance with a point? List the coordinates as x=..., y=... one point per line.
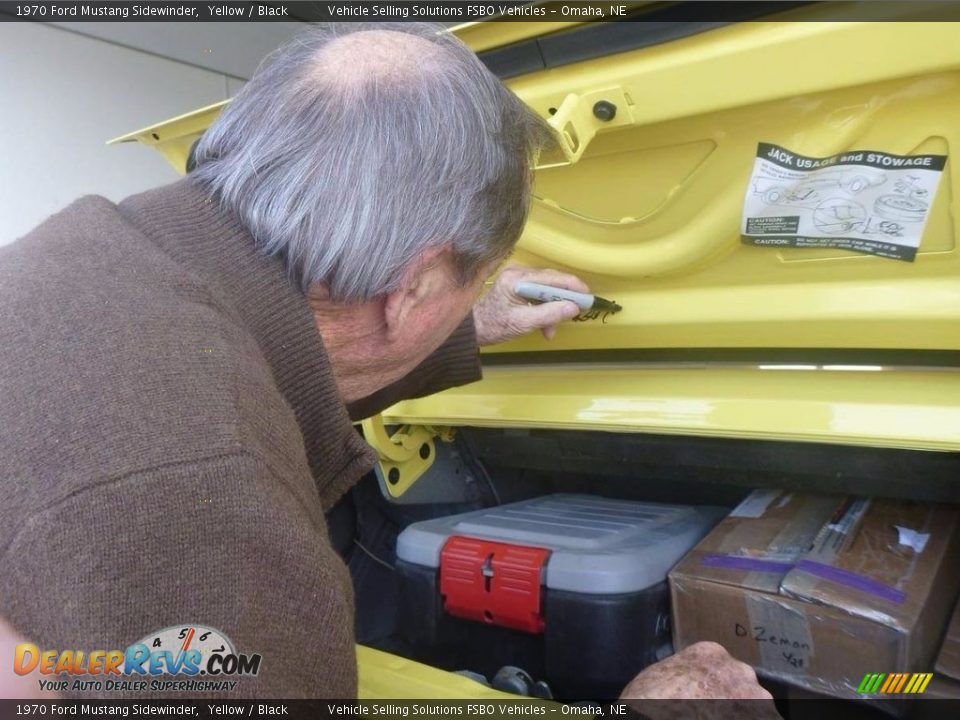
x=376, y=54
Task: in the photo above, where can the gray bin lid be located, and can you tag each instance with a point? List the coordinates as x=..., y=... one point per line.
x=599, y=546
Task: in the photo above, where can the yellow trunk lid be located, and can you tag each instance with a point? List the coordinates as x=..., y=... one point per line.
x=718, y=337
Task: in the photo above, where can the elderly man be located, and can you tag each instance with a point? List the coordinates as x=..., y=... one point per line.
x=180, y=371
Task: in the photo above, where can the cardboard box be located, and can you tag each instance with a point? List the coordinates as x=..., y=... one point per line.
x=946, y=678
x=820, y=590
x=948, y=661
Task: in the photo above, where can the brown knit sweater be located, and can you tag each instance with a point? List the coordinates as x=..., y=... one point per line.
x=170, y=437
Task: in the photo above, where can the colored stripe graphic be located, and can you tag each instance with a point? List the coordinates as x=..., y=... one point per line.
x=891, y=680
x=867, y=683
x=894, y=683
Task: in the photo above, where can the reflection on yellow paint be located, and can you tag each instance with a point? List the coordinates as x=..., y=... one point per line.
x=670, y=411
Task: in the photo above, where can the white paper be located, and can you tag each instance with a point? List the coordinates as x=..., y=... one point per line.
x=912, y=538
x=863, y=200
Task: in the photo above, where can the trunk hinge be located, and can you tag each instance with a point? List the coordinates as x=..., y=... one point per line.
x=405, y=455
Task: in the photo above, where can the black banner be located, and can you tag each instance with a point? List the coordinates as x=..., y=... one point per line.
x=459, y=11
x=375, y=10
x=868, y=247
x=872, y=158
x=485, y=709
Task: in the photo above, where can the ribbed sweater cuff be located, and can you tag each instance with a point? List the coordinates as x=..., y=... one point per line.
x=457, y=361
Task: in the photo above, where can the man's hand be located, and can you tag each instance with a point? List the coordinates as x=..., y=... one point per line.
x=502, y=315
x=702, y=671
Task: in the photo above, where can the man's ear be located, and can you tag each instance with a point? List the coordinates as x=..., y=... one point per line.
x=424, y=280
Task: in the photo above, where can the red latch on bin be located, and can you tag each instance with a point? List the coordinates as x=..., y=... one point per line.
x=493, y=582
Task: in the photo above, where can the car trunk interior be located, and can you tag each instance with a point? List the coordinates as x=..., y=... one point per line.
x=496, y=466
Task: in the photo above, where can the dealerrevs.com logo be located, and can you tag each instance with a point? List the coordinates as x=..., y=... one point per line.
x=184, y=658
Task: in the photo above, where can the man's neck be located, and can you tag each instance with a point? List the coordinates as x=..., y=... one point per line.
x=352, y=338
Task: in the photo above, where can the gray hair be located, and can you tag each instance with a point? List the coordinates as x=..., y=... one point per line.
x=349, y=159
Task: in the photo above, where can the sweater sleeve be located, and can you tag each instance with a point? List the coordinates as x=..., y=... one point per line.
x=456, y=362
x=223, y=543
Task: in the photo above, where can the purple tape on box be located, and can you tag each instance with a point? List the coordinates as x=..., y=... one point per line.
x=852, y=580
x=748, y=564
x=827, y=572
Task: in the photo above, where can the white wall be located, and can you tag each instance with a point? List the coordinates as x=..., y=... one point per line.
x=63, y=95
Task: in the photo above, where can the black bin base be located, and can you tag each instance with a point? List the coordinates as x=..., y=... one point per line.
x=592, y=645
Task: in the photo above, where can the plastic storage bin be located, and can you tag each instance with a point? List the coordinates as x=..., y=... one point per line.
x=572, y=588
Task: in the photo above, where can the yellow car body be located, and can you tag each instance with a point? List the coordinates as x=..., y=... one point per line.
x=716, y=337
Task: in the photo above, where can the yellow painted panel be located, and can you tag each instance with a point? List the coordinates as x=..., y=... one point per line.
x=173, y=138
x=650, y=215
x=650, y=218
x=887, y=408
x=386, y=676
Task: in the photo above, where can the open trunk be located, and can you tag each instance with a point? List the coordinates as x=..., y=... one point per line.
x=483, y=468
